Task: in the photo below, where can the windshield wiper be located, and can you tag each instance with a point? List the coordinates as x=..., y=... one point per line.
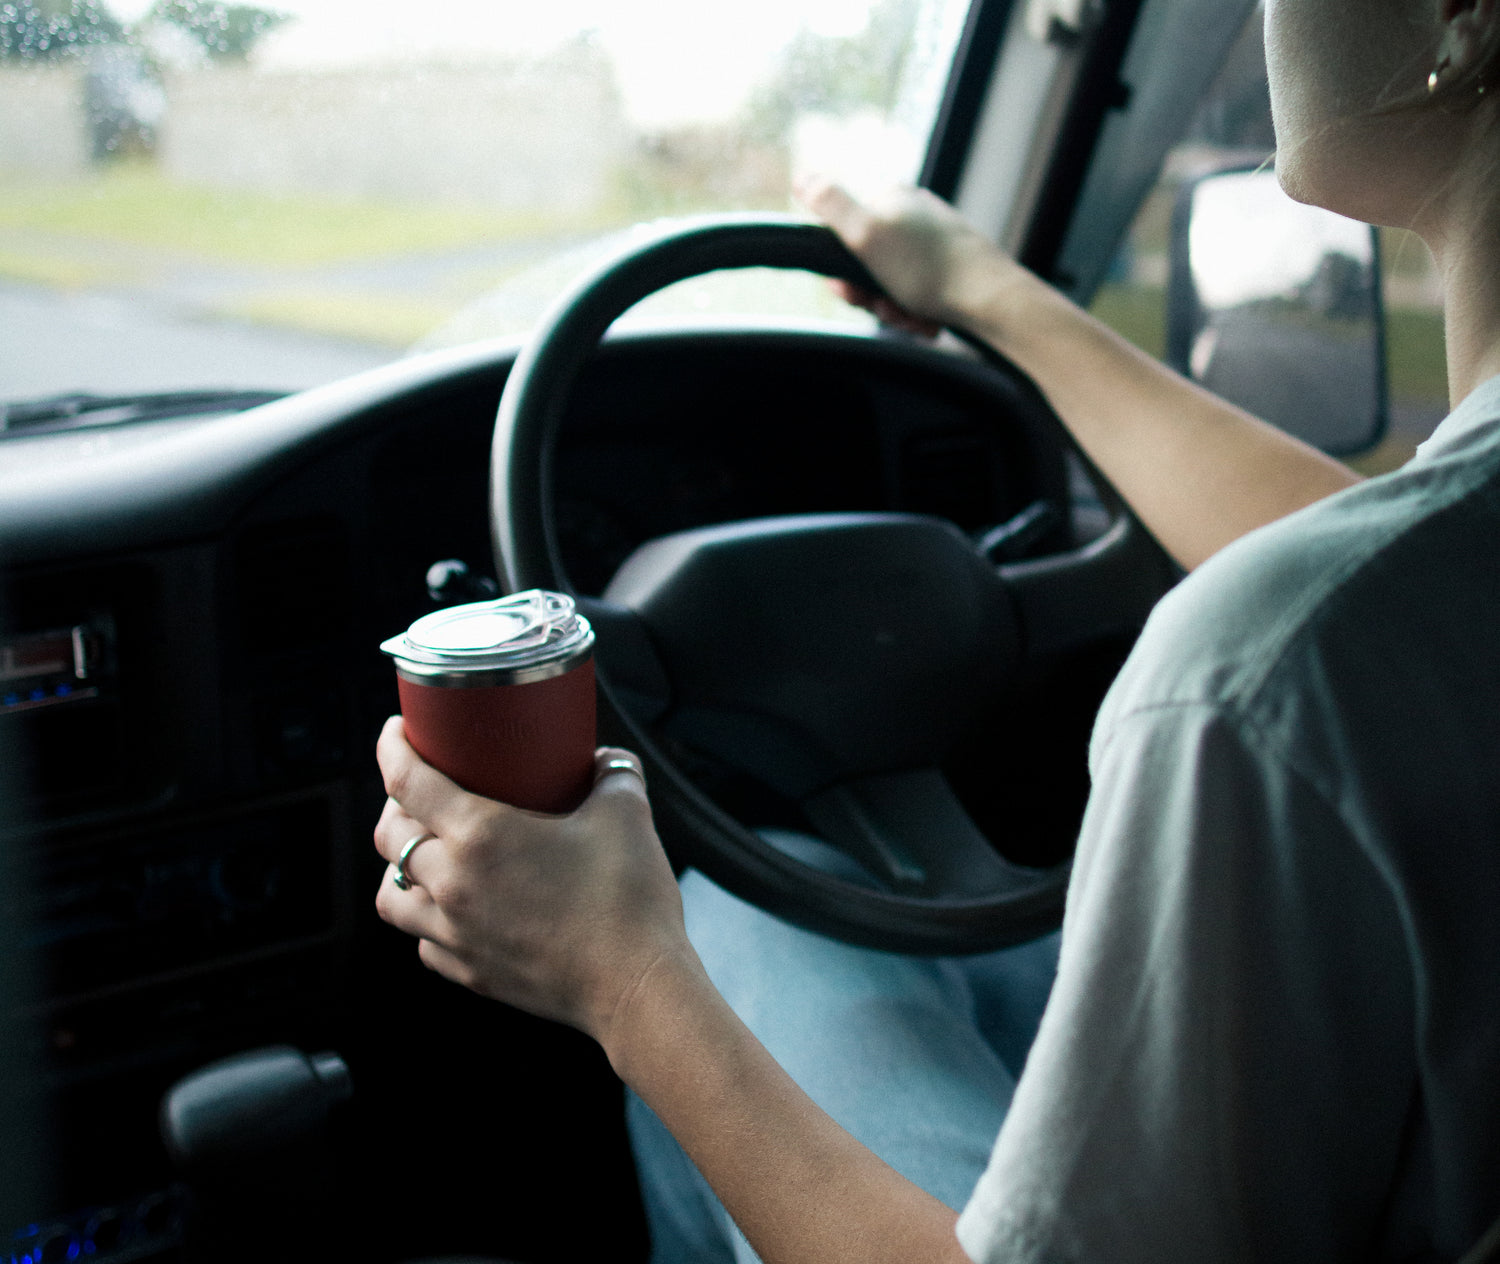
x=65, y=412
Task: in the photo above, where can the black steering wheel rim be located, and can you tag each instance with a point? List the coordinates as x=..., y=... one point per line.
x=698, y=831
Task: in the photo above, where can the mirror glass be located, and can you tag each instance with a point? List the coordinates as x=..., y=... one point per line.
x=1276, y=306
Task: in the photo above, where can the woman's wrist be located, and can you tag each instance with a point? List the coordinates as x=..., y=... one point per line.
x=996, y=299
x=670, y=989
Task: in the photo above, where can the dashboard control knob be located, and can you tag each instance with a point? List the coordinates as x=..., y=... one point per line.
x=451, y=583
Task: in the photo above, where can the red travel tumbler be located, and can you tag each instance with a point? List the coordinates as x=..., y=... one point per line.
x=499, y=695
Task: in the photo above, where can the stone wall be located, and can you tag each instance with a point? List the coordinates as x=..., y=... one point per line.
x=544, y=137
x=42, y=126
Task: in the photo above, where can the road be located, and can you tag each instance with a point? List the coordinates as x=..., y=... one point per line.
x=1321, y=387
x=56, y=341
x=154, y=319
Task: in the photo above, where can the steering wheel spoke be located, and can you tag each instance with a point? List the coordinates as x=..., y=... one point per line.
x=1102, y=591
x=631, y=668
x=909, y=830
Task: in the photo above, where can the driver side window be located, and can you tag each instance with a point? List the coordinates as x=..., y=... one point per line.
x=1233, y=127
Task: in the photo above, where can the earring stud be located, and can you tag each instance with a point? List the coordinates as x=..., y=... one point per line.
x=1445, y=63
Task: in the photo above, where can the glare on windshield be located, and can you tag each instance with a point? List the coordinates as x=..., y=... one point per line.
x=196, y=193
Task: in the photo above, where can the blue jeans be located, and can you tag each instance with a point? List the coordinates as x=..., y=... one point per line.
x=916, y=1057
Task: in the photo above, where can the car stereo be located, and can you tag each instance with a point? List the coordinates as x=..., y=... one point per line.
x=54, y=667
x=61, y=714
x=80, y=690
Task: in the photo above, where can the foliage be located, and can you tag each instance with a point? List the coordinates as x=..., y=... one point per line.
x=837, y=74
x=226, y=31
x=34, y=30
x=44, y=29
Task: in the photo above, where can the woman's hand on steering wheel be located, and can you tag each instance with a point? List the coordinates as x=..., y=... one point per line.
x=937, y=269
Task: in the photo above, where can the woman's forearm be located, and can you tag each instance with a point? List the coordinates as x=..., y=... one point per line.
x=801, y=1189
x=1198, y=471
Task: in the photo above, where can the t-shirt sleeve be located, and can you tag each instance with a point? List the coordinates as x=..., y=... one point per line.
x=1215, y=1077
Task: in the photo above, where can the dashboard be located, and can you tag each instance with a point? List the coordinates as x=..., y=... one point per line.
x=190, y=689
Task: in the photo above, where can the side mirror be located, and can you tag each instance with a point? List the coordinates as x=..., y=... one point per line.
x=1276, y=306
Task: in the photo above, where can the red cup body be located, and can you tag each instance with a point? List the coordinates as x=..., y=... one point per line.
x=530, y=745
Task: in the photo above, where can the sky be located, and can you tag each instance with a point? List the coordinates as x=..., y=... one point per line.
x=1250, y=241
x=652, y=42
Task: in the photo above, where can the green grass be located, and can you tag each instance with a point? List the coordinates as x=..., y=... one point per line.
x=1136, y=312
x=390, y=320
x=57, y=272
x=1415, y=358
x=135, y=205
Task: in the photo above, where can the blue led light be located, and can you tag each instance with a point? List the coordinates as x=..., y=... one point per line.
x=10, y=700
x=63, y=690
x=37, y=695
x=73, y=1249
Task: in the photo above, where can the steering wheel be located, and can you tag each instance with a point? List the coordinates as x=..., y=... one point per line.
x=833, y=657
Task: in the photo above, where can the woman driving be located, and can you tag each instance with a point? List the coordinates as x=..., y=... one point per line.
x=1271, y=1033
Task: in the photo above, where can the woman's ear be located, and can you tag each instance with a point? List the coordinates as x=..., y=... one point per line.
x=1468, y=43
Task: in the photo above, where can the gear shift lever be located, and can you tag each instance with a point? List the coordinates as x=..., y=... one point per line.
x=249, y=1137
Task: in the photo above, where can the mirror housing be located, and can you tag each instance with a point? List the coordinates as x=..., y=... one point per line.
x=1277, y=307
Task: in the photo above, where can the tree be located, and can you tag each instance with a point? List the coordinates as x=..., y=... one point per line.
x=226, y=31
x=837, y=74
x=34, y=30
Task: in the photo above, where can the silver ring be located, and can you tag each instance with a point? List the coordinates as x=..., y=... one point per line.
x=400, y=878
x=620, y=765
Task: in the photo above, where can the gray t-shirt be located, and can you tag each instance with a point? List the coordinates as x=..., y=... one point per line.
x=1275, y=1033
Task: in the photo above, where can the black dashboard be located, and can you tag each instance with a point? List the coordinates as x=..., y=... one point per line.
x=190, y=688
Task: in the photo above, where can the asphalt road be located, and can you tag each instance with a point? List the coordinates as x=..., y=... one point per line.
x=1320, y=387
x=55, y=342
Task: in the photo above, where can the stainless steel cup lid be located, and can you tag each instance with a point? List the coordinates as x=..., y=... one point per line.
x=526, y=636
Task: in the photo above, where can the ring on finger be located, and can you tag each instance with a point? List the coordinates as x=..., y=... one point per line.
x=400, y=877
x=620, y=764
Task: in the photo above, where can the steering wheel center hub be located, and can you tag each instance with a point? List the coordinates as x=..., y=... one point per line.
x=812, y=649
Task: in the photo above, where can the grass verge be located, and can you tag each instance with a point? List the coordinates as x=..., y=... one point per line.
x=388, y=320
x=134, y=204
x=58, y=272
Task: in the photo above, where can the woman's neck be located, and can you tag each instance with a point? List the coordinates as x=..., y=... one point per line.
x=1470, y=267
x=1463, y=232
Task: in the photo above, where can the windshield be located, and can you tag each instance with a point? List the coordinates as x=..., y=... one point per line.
x=196, y=194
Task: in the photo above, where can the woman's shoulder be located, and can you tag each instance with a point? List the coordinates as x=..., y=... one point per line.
x=1332, y=603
